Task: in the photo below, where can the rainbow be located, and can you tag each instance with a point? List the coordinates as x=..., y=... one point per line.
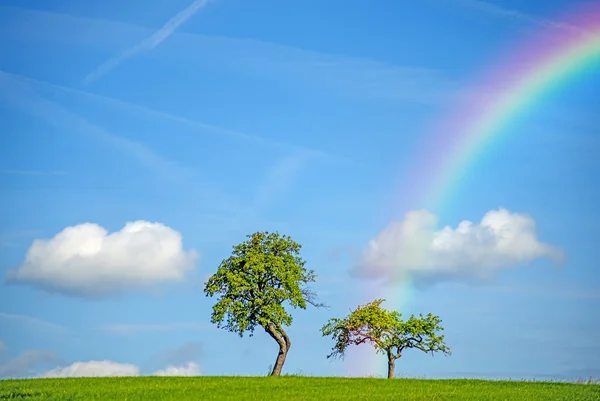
x=488, y=109
x=494, y=103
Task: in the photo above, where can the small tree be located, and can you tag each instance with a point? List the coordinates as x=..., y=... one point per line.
x=261, y=275
x=386, y=331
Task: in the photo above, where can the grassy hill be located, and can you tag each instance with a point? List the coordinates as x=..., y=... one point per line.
x=289, y=388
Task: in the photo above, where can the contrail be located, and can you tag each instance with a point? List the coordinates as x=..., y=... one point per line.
x=149, y=43
x=6, y=78
x=499, y=11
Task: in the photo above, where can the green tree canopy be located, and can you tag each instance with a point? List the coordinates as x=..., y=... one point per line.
x=255, y=282
x=386, y=331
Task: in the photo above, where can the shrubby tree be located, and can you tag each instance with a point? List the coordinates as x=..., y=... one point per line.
x=386, y=331
x=261, y=275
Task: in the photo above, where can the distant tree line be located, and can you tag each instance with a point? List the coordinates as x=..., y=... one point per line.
x=266, y=271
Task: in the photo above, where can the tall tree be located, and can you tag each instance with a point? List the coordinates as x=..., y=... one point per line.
x=386, y=331
x=262, y=274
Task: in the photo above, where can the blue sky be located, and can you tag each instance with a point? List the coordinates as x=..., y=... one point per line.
x=300, y=117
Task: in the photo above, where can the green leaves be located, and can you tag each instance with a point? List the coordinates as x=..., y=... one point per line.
x=386, y=331
x=366, y=324
x=262, y=274
x=266, y=272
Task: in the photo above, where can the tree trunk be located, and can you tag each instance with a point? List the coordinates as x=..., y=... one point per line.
x=284, y=343
x=279, y=362
x=391, y=365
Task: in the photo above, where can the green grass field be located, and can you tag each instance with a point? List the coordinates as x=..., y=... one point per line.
x=289, y=388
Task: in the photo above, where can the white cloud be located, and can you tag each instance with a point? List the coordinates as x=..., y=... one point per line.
x=414, y=247
x=179, y=361
x=150, y=42
x=110, y=368
x=85, y=260
x=24, y=364
x=190, y=369
x=93, y=369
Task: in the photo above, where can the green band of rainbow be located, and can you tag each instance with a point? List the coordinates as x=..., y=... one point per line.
x=489, y=109
x=543, y=65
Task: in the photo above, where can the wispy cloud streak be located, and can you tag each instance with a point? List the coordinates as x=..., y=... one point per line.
x=149, y=43
x=289, y=66
x=277, y=180
x=31, y=172
x=124, y=328
x=22, y=95
x=208, y=128
x=25, y=94
x=33, y=322
x=566, y=293
x=24, y=364
x=499, y=11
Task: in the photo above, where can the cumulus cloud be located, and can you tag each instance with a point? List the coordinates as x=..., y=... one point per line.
x=26, y=363
x=180, y=361
x=93, y=369
x=114, y=369
x=184, y=358
x=415, y=247
x=189, y=369
x=85, y=260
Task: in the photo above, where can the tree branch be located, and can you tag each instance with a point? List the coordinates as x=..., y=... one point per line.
x=270, y=329
x=398, y=353
x=365, y=337
x=286, y=339
x=311, y=297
